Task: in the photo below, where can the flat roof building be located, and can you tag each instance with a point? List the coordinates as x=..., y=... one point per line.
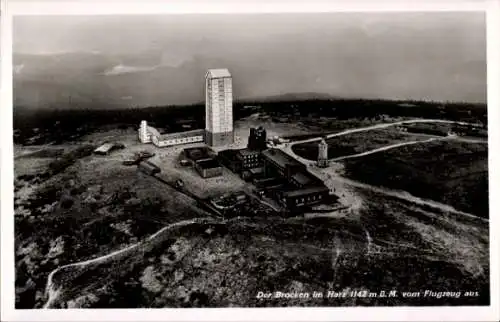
x=280, y=158
x=302, y=189
x=304, y=197
x=218, y=107
x=198, y=153
x=277, y=162
x=208, y=168
x=149, y=134
x=170, y=139
x=149, y=168
x=300, y=179
x=106, y=148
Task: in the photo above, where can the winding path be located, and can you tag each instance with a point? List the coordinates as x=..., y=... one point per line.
x=288, y=146
x=388, y=147
x=381, y=126
x=411, y=198
x=392, y=193
x=53, y=291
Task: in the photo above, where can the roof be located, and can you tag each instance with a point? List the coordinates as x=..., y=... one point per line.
x=208, y=163
x=105, y=147
x=256, y=170
x=305, y=191
x=149, y=165
x=218, y=73
x=280, y=157
x=230, y=155
x=248, y=152
x=302, y=178
x=180, y=135
x=153, y=131
x=197, y=153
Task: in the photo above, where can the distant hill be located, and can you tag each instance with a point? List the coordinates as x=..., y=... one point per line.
x=290, y=97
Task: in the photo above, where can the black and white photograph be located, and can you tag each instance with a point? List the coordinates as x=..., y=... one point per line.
x=250, y=160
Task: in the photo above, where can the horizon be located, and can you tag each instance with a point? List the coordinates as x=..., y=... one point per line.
x=160, y=59
x=275, y=99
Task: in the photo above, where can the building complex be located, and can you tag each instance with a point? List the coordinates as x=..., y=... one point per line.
x=274, y=173
x=277, y=175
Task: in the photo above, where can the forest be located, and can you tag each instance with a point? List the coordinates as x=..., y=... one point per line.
x=62, y=125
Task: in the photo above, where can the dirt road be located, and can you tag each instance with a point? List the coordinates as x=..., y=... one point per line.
x=388, y=147
x=380, y=126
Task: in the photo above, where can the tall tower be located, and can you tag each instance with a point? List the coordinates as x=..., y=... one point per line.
x=218, y=107
x=143, y=133
x=323, y=154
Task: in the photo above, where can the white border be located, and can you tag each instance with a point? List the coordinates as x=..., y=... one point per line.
x=10, y=8
x=72, y=7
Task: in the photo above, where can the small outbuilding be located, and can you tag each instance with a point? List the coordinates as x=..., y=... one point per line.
x=149, y=168
x=106, y=148
x=208, y=168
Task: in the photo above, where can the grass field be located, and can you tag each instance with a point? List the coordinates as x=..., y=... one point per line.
x=227, y=264
x=355, y=143
x=454, y=173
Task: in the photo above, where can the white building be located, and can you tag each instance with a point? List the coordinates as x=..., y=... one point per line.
x=218, y=108
x=170, y=139
x=144, y=134
x=148, y=134
x=104, y=149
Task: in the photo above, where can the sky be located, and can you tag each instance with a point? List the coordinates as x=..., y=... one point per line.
x=437, y=56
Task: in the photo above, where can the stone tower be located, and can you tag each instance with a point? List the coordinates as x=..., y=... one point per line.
x=323, y=154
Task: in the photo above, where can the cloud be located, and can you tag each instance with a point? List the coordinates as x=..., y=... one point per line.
x=168, y=59
x=124, y=69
